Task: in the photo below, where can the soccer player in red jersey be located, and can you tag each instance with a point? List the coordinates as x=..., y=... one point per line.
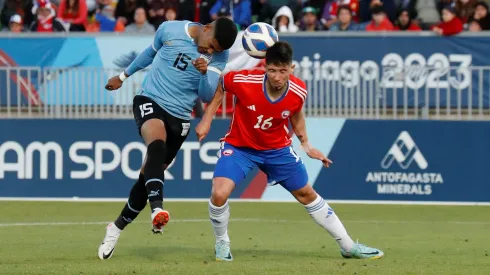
x=259, y=137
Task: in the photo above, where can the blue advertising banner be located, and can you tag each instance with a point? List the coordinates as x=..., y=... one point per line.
x=421, y=161
x=409, y=161
x=96, y=159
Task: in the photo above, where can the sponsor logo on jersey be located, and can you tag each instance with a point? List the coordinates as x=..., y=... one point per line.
x=227, y=152
x=285, y=114
x=251, y=107
x=405, y=170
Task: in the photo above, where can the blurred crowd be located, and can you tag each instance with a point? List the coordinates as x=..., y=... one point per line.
x=444, y=17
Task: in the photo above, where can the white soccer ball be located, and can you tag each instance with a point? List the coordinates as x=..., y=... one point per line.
x=257, y=38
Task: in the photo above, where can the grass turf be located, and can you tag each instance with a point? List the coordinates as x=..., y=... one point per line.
x=267, y=238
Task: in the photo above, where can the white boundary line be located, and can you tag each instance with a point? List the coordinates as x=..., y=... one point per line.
x=77, y=199
x=257, y=220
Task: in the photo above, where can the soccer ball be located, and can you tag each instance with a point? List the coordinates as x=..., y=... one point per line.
x=257, y=38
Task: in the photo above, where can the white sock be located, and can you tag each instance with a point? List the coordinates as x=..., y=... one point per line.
x=219, y=217
x=324, y=216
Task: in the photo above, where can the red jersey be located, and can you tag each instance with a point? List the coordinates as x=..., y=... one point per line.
x=258, y=123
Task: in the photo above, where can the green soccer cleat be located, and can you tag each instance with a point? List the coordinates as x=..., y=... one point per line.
x=222, y=250
x=360, y=251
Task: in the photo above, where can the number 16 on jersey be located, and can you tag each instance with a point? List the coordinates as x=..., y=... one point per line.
x=263, y=124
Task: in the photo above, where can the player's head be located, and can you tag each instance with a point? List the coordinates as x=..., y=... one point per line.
x=217, y=36
x=279, y=64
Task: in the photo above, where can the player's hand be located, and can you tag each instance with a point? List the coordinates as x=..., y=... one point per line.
x=316, y=154
x=201, y=65
x=202, y=130
x=114, y=83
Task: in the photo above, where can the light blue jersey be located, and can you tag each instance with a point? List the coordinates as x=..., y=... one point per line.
x=173, y=82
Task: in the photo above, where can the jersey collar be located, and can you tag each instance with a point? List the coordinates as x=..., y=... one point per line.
x=187, y=25
x=264, y=88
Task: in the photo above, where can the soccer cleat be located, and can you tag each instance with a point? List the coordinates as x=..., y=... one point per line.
x=159, y=219
x=360, y=251
x=106, y=248
x=223, y=251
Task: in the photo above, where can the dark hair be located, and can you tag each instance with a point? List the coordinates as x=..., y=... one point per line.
x=344, y=7
x=483, y=4
x=279, y=54
x=75, y=7
x=377, y=9
x=225, y=32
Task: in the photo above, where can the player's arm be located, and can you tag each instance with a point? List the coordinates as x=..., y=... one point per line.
x=202, y=129
x=143, y=60
x=208, y=84
x=298, y=122
x=210, y=75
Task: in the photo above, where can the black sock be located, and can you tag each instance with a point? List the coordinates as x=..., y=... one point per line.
x=136, y=203
x=154, y=173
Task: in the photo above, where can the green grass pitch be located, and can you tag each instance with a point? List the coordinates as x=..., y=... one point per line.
x=267, y=238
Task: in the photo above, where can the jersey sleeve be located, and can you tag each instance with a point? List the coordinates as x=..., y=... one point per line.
x=298, y=87
x=218, y=63
x=228, y=83
x=161, y=36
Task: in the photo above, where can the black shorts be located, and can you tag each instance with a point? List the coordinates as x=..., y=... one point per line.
x=177, y=129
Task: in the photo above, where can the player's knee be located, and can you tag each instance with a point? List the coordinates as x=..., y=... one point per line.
x=305, y=195
x=221, y=191
x=156, y=151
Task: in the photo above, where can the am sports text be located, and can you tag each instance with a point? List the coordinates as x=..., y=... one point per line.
x=95, y=159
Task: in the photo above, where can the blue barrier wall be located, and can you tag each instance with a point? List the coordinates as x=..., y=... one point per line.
x=424, y=64
x=373, y=160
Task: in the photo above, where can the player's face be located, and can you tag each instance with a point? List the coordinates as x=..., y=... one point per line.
x=206, y=43
x=278, y=74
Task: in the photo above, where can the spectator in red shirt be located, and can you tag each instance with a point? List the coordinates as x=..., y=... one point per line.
x=404, y=22
x=450, y=24
x=73, y=12
x=380, y=21
x=46, y=20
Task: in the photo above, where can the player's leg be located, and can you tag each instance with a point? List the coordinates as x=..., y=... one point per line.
x=231, y=169
x=288, y=170
x=138, y=196
x=325, y=217
x=151, y=121
x=177, y=131
x=135, y=204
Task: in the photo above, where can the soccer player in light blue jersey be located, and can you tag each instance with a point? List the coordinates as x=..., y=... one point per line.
x=186, y=62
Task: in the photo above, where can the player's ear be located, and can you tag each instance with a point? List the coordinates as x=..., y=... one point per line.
x=293, y=66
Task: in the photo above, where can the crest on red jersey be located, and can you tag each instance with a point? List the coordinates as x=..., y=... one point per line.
x=227, y=152
x=285, y=114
